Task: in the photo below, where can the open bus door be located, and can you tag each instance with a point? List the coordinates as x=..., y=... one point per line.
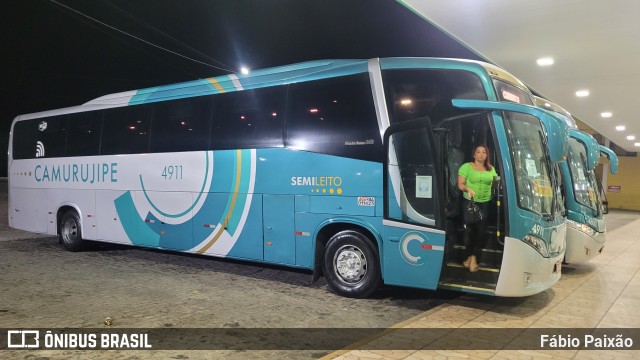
x=502, y=277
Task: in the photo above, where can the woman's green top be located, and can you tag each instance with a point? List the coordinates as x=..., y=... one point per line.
x=478, y=181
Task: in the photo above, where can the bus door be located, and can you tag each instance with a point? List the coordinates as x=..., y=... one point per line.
x=414, y=236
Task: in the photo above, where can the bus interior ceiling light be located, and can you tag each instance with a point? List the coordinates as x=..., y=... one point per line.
x=545, y=61
x=405, y=102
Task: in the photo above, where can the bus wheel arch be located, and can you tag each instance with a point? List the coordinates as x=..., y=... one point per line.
x=70, y=229
x=350, y=259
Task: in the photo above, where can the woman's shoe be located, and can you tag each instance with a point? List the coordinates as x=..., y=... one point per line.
x=466, y=262
x=473, y=264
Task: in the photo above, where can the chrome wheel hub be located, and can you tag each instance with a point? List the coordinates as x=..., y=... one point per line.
x=350, y=264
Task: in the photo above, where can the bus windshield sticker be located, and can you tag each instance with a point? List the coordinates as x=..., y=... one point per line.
x=532, y=169
x=423, y=187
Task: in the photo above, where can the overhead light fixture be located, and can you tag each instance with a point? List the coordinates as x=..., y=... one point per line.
x=637, y=144
x=631, y=137
x=606, y=114
x=582, y=93
x=545, y=61
x=620, y=127
x=244, y=70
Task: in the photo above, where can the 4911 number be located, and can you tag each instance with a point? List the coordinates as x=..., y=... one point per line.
x=172, y=172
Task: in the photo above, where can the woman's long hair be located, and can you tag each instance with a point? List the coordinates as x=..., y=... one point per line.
x=487, y=161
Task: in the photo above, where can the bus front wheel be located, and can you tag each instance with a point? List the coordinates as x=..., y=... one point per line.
x=351, y=265
x=70, y=231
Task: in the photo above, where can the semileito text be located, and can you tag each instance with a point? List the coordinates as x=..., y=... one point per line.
x=316, y=181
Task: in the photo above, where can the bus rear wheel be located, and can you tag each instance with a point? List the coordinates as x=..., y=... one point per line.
x=351, y=265
x=70, y=231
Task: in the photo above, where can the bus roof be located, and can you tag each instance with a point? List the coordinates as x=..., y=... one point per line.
x=281, y=75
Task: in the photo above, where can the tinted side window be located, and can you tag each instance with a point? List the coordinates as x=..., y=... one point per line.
x=181, y=125
x=249, y=119
x=126, y=130
x=43, y=137
x=334, y=116
x=413, y=94
x=25, y=136
x=84, y=133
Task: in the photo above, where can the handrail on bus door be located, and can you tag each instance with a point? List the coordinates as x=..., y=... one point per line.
x=498, y=204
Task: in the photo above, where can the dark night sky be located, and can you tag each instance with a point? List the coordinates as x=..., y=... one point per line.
x=54, y=57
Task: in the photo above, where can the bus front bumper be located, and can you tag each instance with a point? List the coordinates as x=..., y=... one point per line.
x=525, y=271
x=582, y=247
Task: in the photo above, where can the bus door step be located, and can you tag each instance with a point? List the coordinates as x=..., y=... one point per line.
x=469, y=286
x=460, y=278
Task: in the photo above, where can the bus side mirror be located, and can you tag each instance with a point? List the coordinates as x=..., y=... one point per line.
x=613, y=159
x=592, y=147
x=605, y=207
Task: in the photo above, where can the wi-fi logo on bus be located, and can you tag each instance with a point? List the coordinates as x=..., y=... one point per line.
x=39, y=149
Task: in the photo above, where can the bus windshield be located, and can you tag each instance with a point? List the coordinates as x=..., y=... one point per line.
x=535, y=190
x=584, y=181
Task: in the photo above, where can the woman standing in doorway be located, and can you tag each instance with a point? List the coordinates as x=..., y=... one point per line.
x=474, y=180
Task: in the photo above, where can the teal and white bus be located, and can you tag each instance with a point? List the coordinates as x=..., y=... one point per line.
x=341, y=167
x=586, y=226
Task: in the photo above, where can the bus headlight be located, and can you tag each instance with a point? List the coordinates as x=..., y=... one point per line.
x=538, y=244
x=584, y=228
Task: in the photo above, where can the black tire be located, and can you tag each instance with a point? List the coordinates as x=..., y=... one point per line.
x=70, y=233
x=351, y=265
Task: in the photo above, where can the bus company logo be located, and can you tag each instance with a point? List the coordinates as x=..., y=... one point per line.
x=78, y=173
x=39, y=149
x=410, y=245
x=42, y=126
